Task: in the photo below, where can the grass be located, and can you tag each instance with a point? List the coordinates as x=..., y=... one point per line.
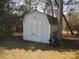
x=71, y=44
x=19, y=49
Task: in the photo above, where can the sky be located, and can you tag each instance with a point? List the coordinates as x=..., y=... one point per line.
x=19, y=2
x=41, y=5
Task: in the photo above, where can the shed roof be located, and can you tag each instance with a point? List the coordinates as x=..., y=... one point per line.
x=52, y=20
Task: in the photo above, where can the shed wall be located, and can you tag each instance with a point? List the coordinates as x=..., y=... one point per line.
x=45, y=26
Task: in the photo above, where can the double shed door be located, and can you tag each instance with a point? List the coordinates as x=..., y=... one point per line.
x=35, y=31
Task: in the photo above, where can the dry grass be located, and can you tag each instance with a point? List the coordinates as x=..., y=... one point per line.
x=39, y=54
x=29, y=50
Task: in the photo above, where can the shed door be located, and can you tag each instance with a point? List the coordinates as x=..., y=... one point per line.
x=35, y=31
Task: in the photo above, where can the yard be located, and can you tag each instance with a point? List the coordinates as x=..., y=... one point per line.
x=15, y=48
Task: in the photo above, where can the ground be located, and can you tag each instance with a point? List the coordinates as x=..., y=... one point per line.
x=20, y=49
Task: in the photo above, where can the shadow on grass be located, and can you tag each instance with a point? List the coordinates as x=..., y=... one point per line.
x=19, y=43
x=70, y=44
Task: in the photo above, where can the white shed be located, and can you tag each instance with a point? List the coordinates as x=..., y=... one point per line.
x=38, y=26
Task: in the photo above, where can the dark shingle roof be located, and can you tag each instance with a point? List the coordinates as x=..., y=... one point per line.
x=52, y=20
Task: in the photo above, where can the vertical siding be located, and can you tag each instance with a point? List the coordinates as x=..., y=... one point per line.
x=53, y=28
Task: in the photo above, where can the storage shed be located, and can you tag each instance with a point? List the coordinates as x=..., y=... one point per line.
x=38, y=27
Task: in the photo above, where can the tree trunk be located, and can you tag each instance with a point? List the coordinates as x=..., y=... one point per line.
x=60, y=14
